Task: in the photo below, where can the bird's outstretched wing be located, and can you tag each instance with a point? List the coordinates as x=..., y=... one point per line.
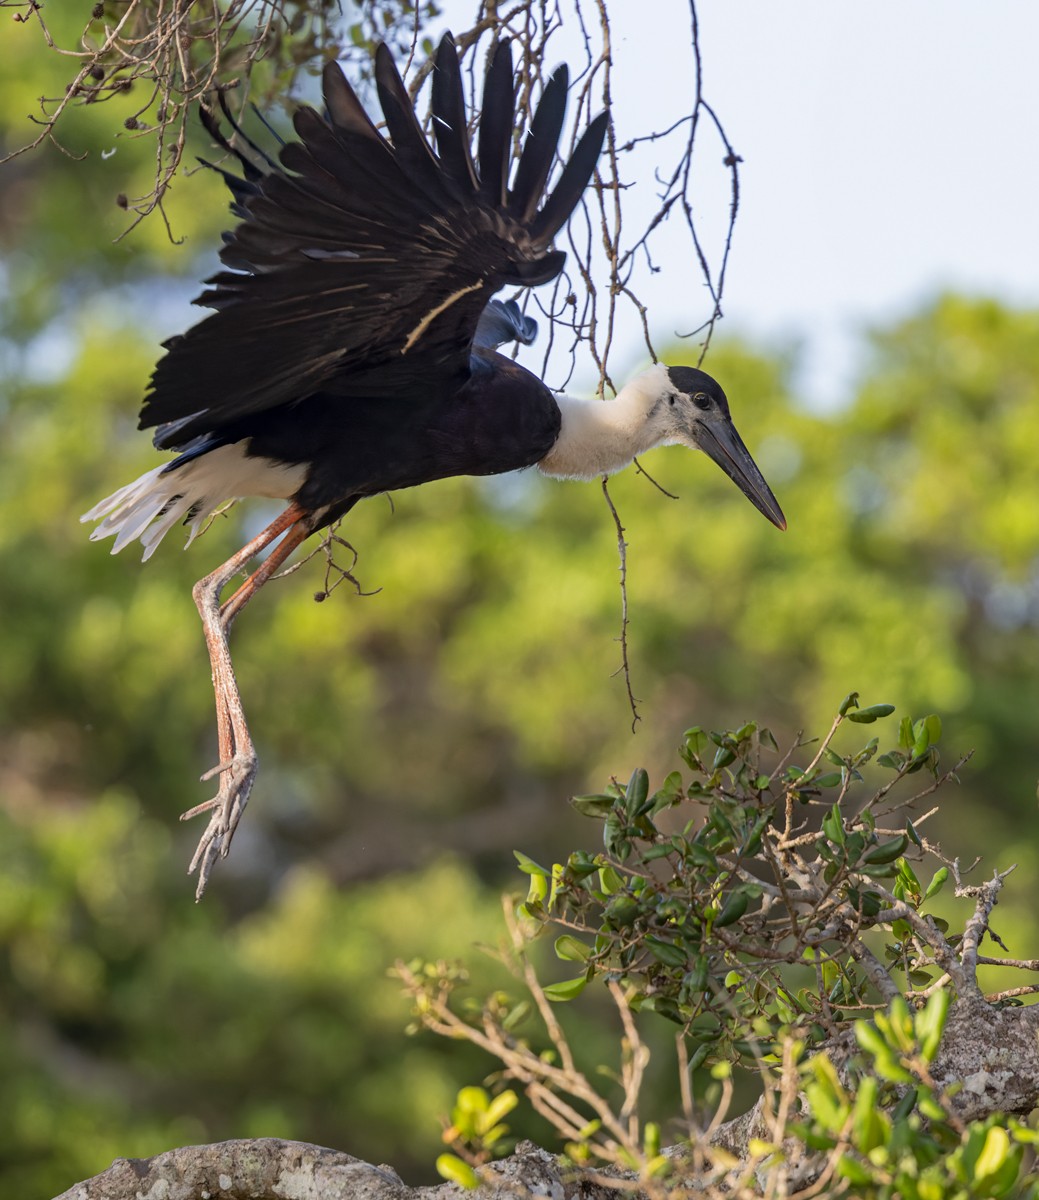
x=362, y=264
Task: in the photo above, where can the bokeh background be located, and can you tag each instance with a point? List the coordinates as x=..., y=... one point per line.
x=411, y=739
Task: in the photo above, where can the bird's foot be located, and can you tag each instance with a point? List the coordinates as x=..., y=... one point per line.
x=236, y=780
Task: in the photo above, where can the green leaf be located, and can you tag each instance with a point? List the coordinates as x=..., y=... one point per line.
x=926, y=731
x=723, y=757
x=696, y=979
x=1024, y=1135
x=867, y=752
x=757, y=1148
x=699, y=1056
x=885, y=1060
x=905, y=1105
x=734, y=907
x=621, y=911
x=828, y=781
x=887, y=851
x=868, y=1127
x=471, y=1100
x=528, y=866
x=1000, y=1182
x=666, y=1006
x=492, y=1135
x=610, y=881
x=669, y=793
x=852, y=1170
x=833, y=825
x=906, y=737
x=569, y=949
x=696, y=742
x=866, y=716
x=651, y=1139
x=516, y=1016
x=595, y=805
x=870, y=1038
x=937, y=882
x=849, y=701
x=580, y=865
x=993, y=1153
x=666, y=952
x=558, y=883
x=868, y=903
x=662, y=850
x=455, y=1170
x=566, y=989
x=501, y=1106
x=827, y=1097
x=930, y=1108
x=929, y=1024
x=637, y=792
x=888, y=1067
x=538, y=890
x=907, y=876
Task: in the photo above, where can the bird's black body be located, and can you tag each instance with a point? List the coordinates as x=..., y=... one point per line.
x=352, y=346
x=495, y=421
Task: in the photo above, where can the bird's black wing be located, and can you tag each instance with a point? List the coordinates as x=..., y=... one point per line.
x=362, y=264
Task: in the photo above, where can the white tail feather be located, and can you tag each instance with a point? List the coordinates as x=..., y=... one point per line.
x=149, y=507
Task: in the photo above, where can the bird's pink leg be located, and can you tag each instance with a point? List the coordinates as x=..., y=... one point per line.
x=238, y=763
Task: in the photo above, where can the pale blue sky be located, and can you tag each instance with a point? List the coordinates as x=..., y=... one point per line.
x=890, y=151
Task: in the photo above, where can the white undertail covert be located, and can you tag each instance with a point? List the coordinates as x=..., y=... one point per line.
x=147, y=509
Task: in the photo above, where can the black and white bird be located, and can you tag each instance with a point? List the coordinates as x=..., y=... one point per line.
x=352, y=347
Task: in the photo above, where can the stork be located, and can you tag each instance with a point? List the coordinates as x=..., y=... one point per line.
x=352, y=349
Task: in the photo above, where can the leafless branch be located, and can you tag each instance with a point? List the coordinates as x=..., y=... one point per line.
x=156, y=59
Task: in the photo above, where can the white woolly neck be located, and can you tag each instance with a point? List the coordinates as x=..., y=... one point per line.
x=599, y=437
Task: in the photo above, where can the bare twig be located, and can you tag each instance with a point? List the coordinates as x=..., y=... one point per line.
x=622, y=554
x=174, y=53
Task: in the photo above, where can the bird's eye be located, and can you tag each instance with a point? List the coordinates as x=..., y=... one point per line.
x=671, y=400
x=702, y=400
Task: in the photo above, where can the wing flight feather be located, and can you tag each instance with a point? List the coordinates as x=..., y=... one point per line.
x=361, y=265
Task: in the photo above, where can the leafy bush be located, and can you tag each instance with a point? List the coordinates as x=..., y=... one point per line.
x=776, y=908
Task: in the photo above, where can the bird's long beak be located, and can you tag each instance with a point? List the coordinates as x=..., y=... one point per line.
x=721, y=442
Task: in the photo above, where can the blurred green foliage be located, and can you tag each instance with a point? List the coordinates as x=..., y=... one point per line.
x=411, y=739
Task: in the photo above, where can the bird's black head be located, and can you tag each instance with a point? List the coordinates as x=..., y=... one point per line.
x=700, y=414
x=697, y=384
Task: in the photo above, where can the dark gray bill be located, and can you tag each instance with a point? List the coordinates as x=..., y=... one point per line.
x=725, y=446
